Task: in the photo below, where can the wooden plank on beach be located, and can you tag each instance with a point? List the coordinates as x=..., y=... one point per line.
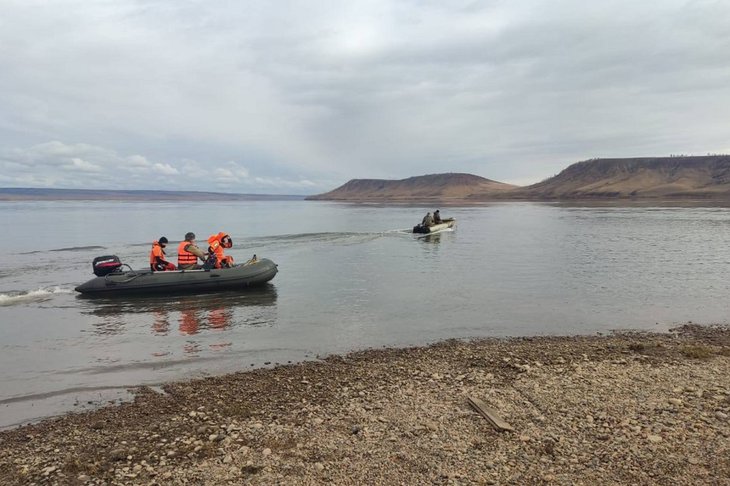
x=489, y=414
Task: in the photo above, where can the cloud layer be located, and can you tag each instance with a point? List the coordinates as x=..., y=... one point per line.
x=297, y=97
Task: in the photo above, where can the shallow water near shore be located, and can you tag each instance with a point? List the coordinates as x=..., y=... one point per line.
x=350, y=277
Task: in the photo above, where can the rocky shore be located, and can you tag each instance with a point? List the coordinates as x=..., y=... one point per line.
x=631, y=408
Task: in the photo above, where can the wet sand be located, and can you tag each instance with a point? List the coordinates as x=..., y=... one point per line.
x=630, y=408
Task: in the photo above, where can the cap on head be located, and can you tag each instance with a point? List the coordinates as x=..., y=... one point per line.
x=162, y=241
x=190, y=236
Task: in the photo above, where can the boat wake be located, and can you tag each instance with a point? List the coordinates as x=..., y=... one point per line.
x=24, y=297
x=343, y=238
x=71, y=248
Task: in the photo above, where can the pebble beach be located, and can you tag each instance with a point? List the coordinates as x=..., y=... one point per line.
x=624, y=408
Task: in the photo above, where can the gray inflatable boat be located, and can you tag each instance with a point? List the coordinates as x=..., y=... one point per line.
x=176, y=281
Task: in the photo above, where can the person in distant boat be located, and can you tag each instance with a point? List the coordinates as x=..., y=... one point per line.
x=427, y=221
x=188, y=253
x=436, y=217
x=217, y=243
x=158, y=263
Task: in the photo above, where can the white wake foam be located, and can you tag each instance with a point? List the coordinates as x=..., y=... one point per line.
x=38, y=295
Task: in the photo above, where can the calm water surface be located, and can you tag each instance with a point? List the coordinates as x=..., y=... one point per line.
x=350, y=277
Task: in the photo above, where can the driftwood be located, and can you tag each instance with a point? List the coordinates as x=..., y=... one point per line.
x=489, y=414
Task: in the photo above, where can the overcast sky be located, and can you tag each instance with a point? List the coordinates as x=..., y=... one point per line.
x=297, y=97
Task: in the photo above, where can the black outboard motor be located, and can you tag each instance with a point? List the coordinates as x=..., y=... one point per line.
x=104, y=265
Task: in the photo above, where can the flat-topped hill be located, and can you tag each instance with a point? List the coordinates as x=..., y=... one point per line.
x=442, y=187
x=645, y=177
x=682, y=177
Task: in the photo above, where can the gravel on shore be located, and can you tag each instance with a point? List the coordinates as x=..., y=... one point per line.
x=629, y=408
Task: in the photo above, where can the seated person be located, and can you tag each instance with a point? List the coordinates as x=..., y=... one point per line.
x=188, y=253
x=217, y=243
x=436, y=217
x=158, y=263
x=427, y=221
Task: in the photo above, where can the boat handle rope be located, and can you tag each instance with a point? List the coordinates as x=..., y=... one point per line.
x=252, y=260
x=132, y=277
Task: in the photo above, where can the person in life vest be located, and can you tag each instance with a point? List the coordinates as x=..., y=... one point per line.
x=217, y=243
x=158, y=263
x=188, y=253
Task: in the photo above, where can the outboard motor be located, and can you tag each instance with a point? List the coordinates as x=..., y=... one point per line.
x=104, y=265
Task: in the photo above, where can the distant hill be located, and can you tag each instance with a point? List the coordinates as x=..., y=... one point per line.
x=433, y=187
x=681, y=177
x=40, y=194
x=646, y=177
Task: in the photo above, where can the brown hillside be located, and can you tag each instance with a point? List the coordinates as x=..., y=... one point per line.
x=441, y=187
x=648, y=177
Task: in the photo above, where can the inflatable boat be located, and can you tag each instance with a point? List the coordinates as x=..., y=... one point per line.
x=444, y=224
x=117, y=282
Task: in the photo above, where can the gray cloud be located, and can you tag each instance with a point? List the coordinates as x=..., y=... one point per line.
x=55, y=164
x=301, y=96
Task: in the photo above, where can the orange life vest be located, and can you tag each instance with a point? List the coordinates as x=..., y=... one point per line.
x=184, y=257
x=217, y=249
x=157, y=252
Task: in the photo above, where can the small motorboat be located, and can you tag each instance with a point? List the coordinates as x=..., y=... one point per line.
x=112, y=280
x=435, y=228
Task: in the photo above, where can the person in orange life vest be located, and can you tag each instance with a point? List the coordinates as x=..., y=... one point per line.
x=217, y=243
x=188, y=253
x=157, y=257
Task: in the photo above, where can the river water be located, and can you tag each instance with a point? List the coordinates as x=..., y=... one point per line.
x=350, y=277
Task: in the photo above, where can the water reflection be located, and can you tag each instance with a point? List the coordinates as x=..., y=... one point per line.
x=193, y=319
x=189, y=314
x=161, y=324
x=190, y=321
x=431, y=238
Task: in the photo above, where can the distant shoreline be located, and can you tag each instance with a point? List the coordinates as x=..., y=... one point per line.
x=8, y=194
x=442, y=202
x=584, y=201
